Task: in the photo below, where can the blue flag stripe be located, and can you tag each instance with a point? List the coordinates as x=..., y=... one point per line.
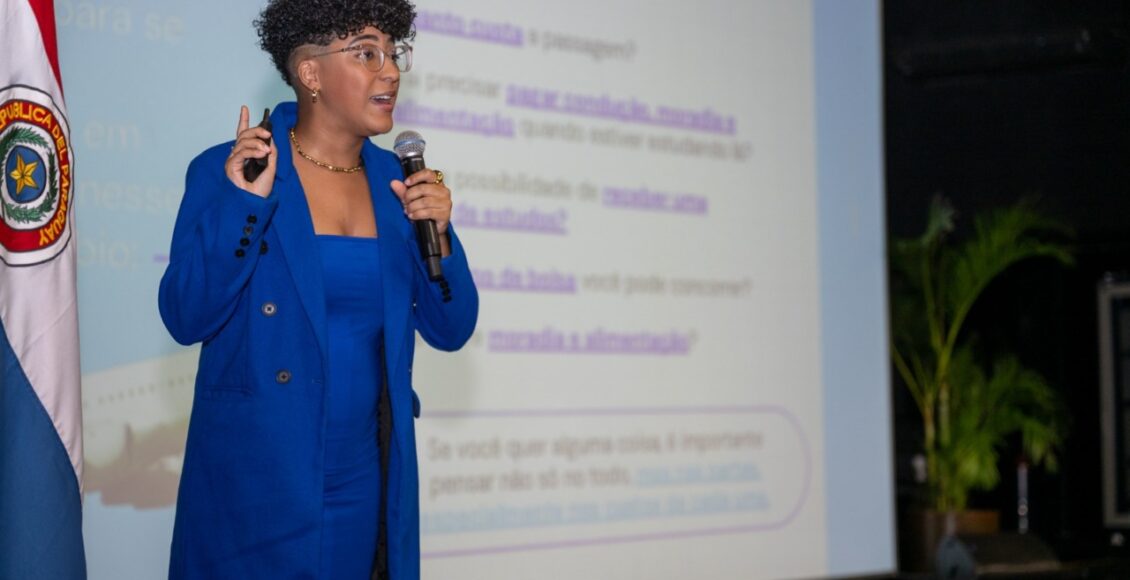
x=40, y=507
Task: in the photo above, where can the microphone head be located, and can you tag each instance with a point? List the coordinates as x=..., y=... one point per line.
x=409, y=144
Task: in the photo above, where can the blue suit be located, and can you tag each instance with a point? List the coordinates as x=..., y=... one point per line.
x=245, y=279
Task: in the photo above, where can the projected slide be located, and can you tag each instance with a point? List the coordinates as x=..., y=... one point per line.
x=645, y=246
x=637, y=186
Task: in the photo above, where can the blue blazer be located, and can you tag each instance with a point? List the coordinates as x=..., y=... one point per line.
x=245, y=279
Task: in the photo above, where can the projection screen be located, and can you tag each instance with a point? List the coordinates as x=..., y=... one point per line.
x=673, y=213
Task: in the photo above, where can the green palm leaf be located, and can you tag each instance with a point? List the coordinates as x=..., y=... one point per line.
x=1002, y=238
x=968, y=414
x=19, y=136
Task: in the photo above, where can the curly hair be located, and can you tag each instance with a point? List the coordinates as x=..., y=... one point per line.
x=284, y=25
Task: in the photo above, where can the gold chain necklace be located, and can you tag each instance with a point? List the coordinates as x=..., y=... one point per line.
x=333, y=168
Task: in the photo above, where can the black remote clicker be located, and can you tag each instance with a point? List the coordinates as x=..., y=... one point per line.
x=255, y=166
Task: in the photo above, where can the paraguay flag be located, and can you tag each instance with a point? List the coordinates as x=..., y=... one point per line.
x=40, y=399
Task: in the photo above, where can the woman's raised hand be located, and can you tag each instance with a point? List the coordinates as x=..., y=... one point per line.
x=251, y=143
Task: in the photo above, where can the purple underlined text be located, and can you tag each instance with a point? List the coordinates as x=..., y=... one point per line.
x=529, y=280
x=599, y=341
x=531, y=220
x=627, y=110
x=449, y=24
x=646, y=199
x=488, y=125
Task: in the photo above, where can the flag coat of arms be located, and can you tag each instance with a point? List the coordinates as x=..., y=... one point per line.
x=40, y=399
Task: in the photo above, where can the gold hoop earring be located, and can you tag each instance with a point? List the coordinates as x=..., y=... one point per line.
x=314, y=96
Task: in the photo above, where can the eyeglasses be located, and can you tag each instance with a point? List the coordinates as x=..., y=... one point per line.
x=374, y=58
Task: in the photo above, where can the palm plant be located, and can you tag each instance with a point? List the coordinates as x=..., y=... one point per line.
x=969, y=411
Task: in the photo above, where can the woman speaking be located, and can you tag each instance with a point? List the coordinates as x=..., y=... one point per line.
x=305, y=286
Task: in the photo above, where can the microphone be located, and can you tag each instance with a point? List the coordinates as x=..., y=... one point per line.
x=409, y=147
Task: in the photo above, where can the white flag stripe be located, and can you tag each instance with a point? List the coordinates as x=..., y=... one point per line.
x=38, y=304
x=24, y=60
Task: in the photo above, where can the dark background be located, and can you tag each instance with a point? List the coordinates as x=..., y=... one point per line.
x=988, y=102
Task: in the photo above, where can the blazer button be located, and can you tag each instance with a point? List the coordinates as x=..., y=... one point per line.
x=239, y=253
x=252, y=219
x=244, y=242
x=247, y=230
x=282, y=377
x=269, y=309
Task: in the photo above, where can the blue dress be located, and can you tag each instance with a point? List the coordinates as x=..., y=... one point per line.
x=354, y=308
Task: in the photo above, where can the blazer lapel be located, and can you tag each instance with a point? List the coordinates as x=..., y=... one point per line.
x=295, y=232
x=396, y=271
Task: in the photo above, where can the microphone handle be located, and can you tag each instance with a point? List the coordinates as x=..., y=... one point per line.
x=426, y=233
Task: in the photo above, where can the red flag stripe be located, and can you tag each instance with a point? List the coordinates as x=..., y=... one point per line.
x=45, y=13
